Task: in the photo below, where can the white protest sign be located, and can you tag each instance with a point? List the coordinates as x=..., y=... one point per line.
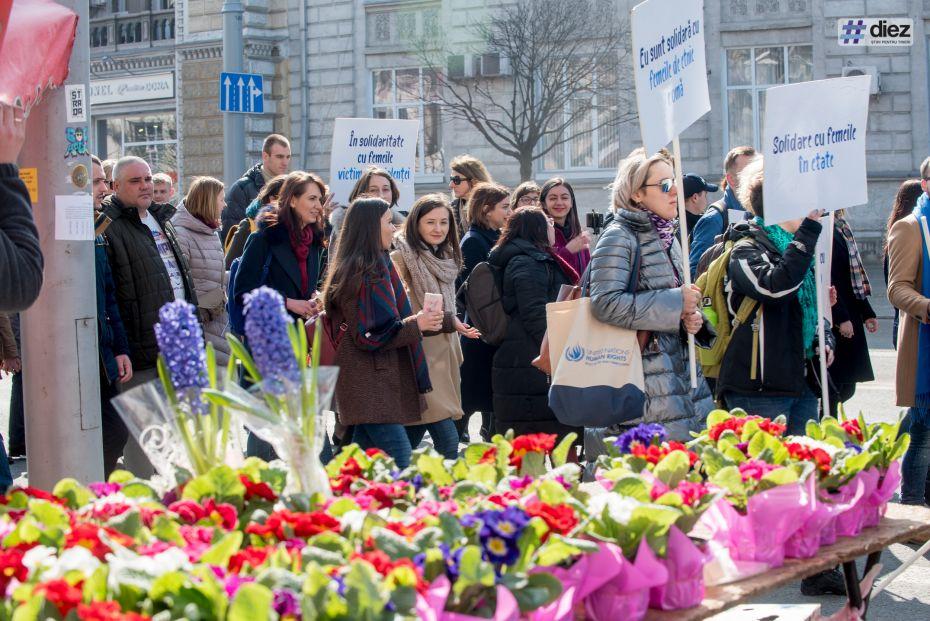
x=359, y=144
x=825, y=261
x=814, y=147
x=670, y=68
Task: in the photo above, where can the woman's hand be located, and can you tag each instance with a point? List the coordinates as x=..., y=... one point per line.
x=466, y=330
x=846, y=329
x=871, y=325
x=124, y=368
x=690, y=297
x=304, y=308
x=693, y=322
x=580, y=242
x=429, y=321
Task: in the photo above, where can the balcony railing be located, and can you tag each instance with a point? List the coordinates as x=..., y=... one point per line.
x=140, y=30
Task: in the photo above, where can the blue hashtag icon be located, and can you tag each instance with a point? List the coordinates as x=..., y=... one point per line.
x=852, y=32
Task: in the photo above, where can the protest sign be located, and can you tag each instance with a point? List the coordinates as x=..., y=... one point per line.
x=669, y=67
x=814, y=147
x=359, y=144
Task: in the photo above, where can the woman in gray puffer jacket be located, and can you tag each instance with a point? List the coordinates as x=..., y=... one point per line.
x=643, y=233
x=196, y=224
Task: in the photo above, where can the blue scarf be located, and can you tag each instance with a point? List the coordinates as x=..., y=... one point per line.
x=730, y=200
x=382, y=304
x=922, y=213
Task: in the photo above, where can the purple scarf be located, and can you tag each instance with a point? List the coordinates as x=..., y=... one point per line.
x=665, y=229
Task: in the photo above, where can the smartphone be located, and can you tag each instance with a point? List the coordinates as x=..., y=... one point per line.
x=432, y=302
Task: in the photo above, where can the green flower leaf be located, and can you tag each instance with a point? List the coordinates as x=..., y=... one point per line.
x=221, y=551
x=252, y=602
x=673, y=468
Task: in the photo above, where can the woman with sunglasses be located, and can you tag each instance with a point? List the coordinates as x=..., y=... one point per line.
x=467, y=172
x=487, y=213
x=637, y=283
x=572, y=242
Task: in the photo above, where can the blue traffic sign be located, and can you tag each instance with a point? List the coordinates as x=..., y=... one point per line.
x=241, y=92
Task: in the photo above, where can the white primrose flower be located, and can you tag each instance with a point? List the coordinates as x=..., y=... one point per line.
x=77, y=558
x=812, y=444
x=39, y=558
x=619, y=508
x=127, y=567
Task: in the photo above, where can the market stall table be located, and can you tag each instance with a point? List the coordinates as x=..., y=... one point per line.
x=901, y=523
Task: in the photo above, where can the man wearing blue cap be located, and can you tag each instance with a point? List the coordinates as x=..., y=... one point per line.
x=696, y=189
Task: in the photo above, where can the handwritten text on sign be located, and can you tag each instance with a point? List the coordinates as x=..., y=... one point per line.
x=814, y=147
x=670, y=69
x=359, y=144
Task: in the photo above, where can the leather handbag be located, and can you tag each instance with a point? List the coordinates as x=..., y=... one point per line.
x=331, y=334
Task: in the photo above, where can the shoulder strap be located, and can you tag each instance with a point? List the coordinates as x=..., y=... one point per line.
x=265, y=268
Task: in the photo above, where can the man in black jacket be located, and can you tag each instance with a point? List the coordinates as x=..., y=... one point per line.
x=276, y=159
x=20, y=256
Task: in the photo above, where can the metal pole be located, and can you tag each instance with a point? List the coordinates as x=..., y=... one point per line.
x=61, y=376
x=233, y=124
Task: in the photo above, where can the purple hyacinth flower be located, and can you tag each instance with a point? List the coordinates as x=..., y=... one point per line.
x=644, y=433
x=266, y=322
x=287, y=605
x=180, y=341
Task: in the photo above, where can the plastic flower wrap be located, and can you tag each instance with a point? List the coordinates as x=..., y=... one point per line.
x=286, y=403
x=171, y=420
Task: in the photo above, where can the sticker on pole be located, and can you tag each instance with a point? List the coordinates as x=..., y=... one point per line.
x=242, y=92
x=814, y=147
x=670, y=68
x=359, y=144
x=76, y=104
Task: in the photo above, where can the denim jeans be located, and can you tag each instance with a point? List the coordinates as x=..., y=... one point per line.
x=6, y=477
x=444, y=434
x=17, y=426
x=390, y=438
x=112, y=428
x=915, y=470
x=256, y=447
x=798, y=409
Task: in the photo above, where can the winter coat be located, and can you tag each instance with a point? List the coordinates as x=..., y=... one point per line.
x=240, y=194
x=532, y=278
x=758, y=270
x=851, y=362
x=20, y=255
x=443, y=357
x=283, y=271
x=655, y=306
x=201, y=247
x=142, y=282
x=477, y=356
x=111, y=335
x=9, y=348
x=377, y=387
x=905, y=267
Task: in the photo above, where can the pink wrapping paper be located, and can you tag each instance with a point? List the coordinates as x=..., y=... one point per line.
x=877, y=502
x=685, y=585
x=431, y=607
x=771, y=518
x=849, y=523
x=847, y=496
x=589, y=573
x=627, y=595
x=807, y=540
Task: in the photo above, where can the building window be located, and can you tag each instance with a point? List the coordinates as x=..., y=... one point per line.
x=748, y=72
x=151, y=136
x=594, y=135
x=411, y=94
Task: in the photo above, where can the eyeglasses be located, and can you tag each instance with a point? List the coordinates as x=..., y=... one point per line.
x=527, y=200
x=456, y=180
x=665, y=185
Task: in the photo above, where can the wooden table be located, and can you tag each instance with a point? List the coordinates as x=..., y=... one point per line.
x=901, y=523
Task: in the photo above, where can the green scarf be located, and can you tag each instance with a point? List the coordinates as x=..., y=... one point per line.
x=807, y=295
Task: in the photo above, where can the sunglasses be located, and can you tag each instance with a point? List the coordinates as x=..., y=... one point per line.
x=665, y=185
x=456, y=180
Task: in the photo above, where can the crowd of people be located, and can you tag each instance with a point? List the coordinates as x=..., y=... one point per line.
x=411, y=363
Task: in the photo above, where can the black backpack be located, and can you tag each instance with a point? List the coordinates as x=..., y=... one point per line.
x=482, y=296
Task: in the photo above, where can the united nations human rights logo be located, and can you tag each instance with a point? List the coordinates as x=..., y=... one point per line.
x=574, y=353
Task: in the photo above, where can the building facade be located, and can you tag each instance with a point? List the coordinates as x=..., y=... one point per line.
x=156, y=64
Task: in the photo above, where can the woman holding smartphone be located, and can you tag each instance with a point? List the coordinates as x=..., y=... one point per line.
x=383, y=371
x=428, y=259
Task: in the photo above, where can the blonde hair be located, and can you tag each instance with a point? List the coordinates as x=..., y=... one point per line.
x=471, y=168
x=162, y=178
x=631, y=176
x=749, y=193
x=201, y=198
x=925, y=169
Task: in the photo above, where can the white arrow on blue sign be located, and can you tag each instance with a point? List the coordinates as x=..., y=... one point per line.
x=242, y=92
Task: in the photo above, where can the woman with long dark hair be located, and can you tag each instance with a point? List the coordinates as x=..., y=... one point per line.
x=286, y=253
x=428, y=259
x=533, y=273
x=383, y=371
x=904, y=202
x=572, y=242
x=488, y=210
